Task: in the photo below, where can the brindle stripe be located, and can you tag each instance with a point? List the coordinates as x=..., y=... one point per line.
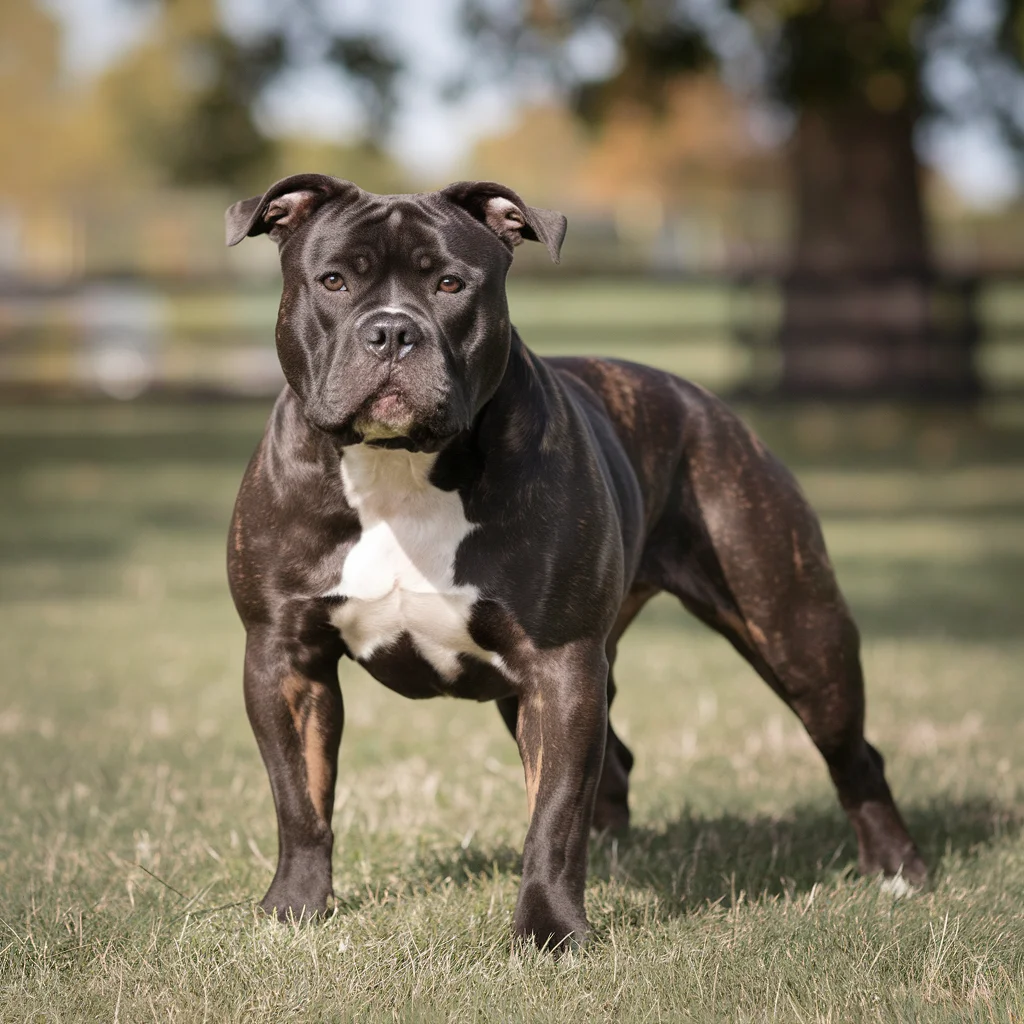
x=300, y=697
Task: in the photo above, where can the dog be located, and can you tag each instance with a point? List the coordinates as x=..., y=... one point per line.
x=465, y=519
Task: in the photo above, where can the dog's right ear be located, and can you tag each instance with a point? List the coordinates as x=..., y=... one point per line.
x=283, y=207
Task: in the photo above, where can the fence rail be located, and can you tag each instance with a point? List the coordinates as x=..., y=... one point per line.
x=124, y=338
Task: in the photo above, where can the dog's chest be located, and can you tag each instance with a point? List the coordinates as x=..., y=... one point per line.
x=398, y=579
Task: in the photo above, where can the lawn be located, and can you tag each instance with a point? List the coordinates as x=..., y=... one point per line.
x=137, y=829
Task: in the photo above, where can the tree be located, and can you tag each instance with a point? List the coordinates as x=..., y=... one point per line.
x=66, y=141
x=192, y=94
x=864, y=311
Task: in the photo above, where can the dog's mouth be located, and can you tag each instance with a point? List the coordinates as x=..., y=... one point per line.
x=416, y=441
x=389, y=411
x=388, y=420
x=385, y=417
x=405, y=443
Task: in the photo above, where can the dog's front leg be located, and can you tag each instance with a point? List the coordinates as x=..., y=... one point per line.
x=563, y=720
x=296, y=713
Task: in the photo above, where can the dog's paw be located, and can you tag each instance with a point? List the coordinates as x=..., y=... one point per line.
x=291, y=911
x=286, y=903
x=911, y=877
x=550, y=920
x=897, y=887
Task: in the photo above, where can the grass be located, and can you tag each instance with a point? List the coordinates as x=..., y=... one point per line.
x=137, y=830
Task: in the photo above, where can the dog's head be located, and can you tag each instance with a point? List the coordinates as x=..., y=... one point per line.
x=393, y=327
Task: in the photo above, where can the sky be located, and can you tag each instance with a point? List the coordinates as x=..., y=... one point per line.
x=430, y=136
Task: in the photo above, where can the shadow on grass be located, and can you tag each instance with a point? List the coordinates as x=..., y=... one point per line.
x=695, y=861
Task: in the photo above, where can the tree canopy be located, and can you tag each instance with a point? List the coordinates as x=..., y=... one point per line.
x=949, y=61
x=193, y=94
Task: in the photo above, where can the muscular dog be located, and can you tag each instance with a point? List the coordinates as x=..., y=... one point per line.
x=465, y=519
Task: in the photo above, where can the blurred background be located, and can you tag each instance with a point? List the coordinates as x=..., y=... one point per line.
x=813, y=207
x=780, y=198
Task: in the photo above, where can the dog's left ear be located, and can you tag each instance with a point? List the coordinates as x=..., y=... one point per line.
x=507, y=215
x=283, y=207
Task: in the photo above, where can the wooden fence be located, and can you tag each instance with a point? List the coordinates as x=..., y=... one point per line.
x=124, y=338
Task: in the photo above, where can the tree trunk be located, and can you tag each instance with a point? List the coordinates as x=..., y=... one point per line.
x=864, y=313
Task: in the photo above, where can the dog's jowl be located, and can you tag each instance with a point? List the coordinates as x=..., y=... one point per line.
x=465, y=519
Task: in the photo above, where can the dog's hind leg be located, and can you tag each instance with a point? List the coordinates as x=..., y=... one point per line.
x=740, y=547
x=611, y=809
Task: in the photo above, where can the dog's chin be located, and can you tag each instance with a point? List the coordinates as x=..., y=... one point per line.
x=395, y=443
x=387, y=432
x=373, y=430
x=409, y=437
x=388, y=422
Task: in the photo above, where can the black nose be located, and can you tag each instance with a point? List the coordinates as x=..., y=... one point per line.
x=391, y=335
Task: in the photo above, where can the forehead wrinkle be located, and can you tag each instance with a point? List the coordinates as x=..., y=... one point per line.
x=447, y=252
x=400, y=220
x=383, y=208
x=429, y=214
x=371, y=223
x=344, y=211
x=319, y=246
x=379, y=225
x=336, y=240
x=337, y=217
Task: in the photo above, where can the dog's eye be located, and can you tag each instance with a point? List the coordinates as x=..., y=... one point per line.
x=450, y=284
x=333, y=282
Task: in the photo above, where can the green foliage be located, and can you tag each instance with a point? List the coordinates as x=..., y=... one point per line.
x=830, y=53
x=804, y=52
x=215, y=139
x=200, y=127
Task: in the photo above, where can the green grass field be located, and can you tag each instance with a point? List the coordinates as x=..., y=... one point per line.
x=137, y=829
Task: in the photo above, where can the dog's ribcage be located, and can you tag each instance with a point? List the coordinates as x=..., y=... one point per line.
x=399, y=577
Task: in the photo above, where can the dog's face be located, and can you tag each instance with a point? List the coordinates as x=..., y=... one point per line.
x=393, y=328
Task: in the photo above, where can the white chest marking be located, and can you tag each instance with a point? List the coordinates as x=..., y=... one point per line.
x=399, y=576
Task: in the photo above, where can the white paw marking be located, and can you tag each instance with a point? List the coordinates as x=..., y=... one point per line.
x=399, y=576
x=897, y=887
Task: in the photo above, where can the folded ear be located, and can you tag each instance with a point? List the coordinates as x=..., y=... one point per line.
x=507, y=215
x=283, y=207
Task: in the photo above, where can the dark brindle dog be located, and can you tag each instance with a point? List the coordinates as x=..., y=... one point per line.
x=465, y=519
